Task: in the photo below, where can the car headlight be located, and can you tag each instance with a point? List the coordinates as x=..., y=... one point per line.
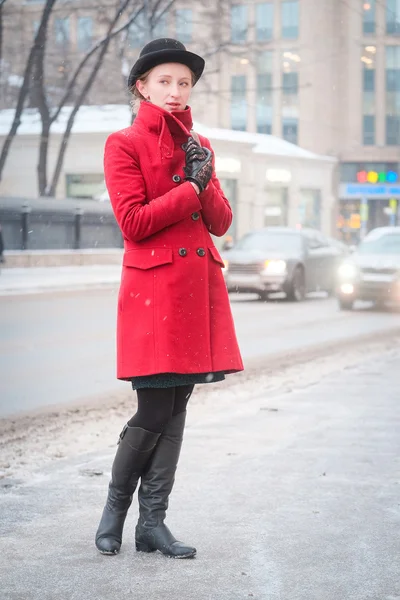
x=275, y=267
x=347, y=271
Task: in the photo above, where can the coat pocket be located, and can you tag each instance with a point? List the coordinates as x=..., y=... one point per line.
x=216, y=256
x=147, y=258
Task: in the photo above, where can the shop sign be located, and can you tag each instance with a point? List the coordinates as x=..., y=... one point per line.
x=371, y=191
x=377, y=177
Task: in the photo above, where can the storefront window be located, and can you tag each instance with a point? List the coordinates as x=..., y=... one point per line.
x=85, y=185
x=309, y=208
x=276, y=209
x=229, y=187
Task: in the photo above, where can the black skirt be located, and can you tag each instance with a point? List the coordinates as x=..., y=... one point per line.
x=167, y=380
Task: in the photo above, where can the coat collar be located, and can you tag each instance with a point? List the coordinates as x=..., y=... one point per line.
x=168, y=126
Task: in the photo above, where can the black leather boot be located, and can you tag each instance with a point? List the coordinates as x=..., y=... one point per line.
x=156, y=485
x=134, y=451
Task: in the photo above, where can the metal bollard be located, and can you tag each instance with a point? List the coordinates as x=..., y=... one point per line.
x=78, y=228
x=25, y=226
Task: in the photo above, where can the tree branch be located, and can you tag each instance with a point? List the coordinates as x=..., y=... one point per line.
x=39, y=39
x=106, y=40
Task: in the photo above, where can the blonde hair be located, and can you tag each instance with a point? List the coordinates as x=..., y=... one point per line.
x=138, y=98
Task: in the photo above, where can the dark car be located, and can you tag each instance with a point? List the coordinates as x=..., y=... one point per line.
x=281, y=259
x=373, y=270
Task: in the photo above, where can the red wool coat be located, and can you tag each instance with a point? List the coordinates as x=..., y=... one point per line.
x=173, y=309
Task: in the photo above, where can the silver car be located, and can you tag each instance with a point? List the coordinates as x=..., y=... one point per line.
x=281, y=259
x=373, y=272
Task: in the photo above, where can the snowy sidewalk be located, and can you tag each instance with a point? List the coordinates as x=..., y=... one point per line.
x=50, y=279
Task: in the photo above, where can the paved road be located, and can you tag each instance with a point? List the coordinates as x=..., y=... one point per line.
x=60, y=348
x=292, y=496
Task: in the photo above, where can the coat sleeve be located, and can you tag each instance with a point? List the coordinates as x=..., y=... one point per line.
x=216, y=210
x=139, y=217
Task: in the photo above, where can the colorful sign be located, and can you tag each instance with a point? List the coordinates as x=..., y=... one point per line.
x=382, y=190
x=377, y=177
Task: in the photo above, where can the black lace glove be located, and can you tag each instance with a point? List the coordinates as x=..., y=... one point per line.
x=198, y=167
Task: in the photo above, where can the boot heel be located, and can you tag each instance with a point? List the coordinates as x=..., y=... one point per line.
x=142, y=547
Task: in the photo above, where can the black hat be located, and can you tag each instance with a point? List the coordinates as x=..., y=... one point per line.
x=162, y=51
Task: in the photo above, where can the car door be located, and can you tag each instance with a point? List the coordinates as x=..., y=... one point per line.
x=318, y=259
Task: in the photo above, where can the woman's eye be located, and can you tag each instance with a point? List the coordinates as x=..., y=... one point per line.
x=184, y=83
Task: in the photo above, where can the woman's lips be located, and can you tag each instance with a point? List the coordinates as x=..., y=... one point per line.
x=173, y=104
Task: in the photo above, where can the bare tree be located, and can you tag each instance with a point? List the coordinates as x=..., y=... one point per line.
x=39, y=42
x=154, y=12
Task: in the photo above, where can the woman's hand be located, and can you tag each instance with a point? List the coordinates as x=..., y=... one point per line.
x=198, y=168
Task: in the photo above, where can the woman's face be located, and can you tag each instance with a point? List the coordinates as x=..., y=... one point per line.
x=168, y=86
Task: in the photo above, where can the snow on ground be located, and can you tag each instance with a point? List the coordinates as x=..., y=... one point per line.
x=30, y=442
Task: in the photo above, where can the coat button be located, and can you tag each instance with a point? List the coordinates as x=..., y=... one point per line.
x=201, y=251
x=176, y=178
x=195, y=216
x=182, y=252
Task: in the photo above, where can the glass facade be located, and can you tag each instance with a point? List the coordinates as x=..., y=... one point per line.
x=393, y=17
x=368, y=118
x=290, y=95
x=264, y=21
x=239, y=18
x=264, y=92
x=238, y=103
x=369, y=14
x=290, y=19
x=184, y=25
x=393, y=95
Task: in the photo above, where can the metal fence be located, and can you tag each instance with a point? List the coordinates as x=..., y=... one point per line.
x=50, y=224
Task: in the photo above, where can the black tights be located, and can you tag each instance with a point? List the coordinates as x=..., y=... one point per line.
x=156, y=406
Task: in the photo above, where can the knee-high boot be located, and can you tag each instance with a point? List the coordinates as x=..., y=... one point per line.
x=135, y=447
x=156, y=485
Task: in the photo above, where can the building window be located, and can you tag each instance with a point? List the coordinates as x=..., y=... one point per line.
x=368, y=130
x=290, y=127
x=290, y=19
x=85, y=185
x=290, y=95
x=230, y=187
x=369, y=9
x=264, y=21
x=184, y=25
x=137, y=31
x=238, y=103
x=393, y=95
x=160, y=28
x=61, y=29
x=309, y=208
x=393, y=17
x=264, y=92
x=85, y=33
x=368, y=118
x=238, y=24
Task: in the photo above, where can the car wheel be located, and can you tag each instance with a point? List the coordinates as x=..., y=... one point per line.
x=263, y=296
x=297, y=287
x=346, y=304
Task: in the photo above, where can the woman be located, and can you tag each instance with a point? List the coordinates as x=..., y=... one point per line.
x=175, y=327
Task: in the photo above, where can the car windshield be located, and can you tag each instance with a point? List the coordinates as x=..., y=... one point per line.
x=270, y=242
x=385, y=244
